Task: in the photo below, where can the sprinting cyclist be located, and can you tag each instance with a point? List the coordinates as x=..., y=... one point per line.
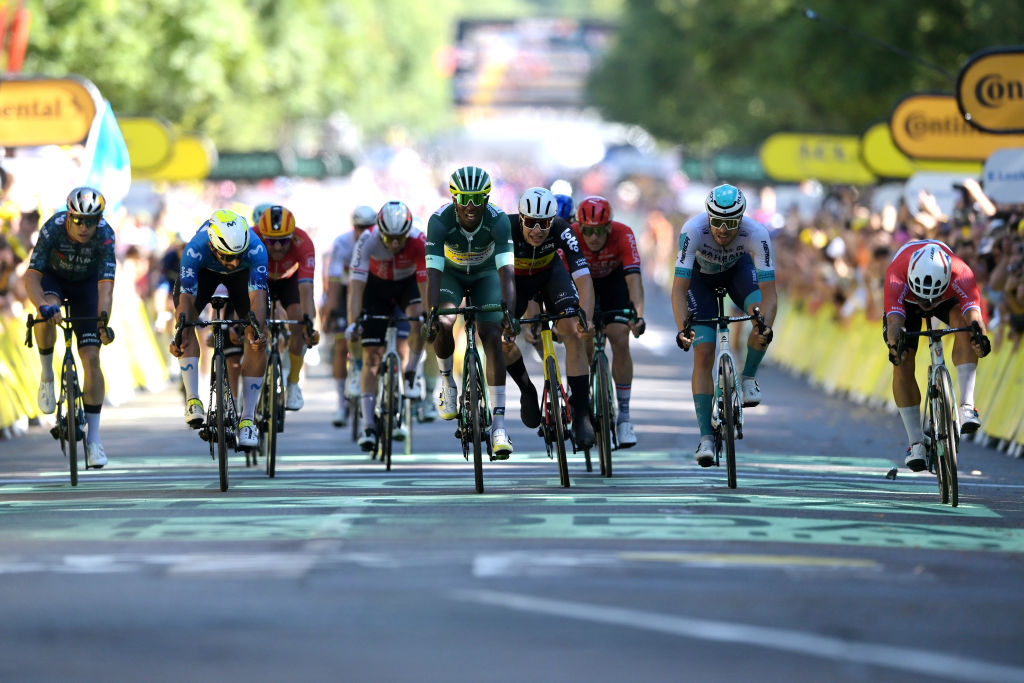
x=926, y=279
x=537, y=236
x=610, y=249
x=73, y=258
x=225, y=251
x=722, y=248
x=335, y=309
x=469, y=251
x=291, y=262
x=388, y=272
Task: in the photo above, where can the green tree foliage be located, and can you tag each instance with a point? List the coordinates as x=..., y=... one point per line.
x=718, y=73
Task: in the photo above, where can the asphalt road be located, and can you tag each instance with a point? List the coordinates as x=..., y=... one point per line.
x=815, y=568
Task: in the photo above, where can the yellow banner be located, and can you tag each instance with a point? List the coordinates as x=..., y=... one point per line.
x=191, y=159
x=150, y=141
x=795, y=157
x=990, y=90
x=880, y=154
x=930, y=126
x=46, y=111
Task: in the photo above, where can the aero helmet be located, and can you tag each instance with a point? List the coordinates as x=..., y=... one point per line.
x=394, y=220
x=565, y=207
x=538, y=203
x=364, y=216
x=85, y=201
x=276, y=222
x=929, y=272
x=725, y=202
x=594, y=210
x=470, y=180
x=258, y=211
x=228, y=232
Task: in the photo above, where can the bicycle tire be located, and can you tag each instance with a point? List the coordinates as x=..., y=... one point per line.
x=274, y=412
x=71, y=419
x=948, y=436
x=554, y=392
x=387, y=397
x=603, y=406
x=220, y=381
x=727, y=380
x=472, y=364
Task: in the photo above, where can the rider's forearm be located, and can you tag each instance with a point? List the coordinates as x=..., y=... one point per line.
x=769, y=302
x=433, y=288
x=258, y=305
x=635, y=286
x=356, y=289
x=306, y=300
x=585, y=287
x=106, y=298
x=34, y=288
x=680, y=309
x=508, y=286
x=893, y=324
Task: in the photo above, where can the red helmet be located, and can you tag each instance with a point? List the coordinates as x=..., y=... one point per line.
x=594, y=210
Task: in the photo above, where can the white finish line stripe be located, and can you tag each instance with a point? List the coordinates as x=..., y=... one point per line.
x=801, y=642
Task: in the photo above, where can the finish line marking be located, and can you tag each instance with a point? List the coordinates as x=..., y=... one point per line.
x=801, y=642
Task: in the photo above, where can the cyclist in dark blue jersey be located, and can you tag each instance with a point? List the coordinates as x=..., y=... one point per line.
x=225, y=251
x=73, y=259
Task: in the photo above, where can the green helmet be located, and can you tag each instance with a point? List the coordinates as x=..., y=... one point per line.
x=470, y=180
x=258, y=211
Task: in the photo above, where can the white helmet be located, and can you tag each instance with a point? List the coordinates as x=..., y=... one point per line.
x=228, y=232
x=538, y=203
x=364, y=216
x=929, y=272
x=394, y=219
x=85, y=201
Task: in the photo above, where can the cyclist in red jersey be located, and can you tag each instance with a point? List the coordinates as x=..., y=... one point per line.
x=610, y=248
x=291, y=262
x=926, y=279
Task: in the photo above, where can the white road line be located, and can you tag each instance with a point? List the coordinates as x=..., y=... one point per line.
x=801, y=642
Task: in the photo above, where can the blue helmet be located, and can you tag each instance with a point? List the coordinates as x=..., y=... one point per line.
x=726, y=202
x=565, y=206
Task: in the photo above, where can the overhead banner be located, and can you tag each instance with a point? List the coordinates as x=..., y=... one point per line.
x=880, y=154
x=150, y=141
x=192, y=158
x=930, y=126
x=795, y=157
x=990, y=90
x=1004, y=176
x=38, y=111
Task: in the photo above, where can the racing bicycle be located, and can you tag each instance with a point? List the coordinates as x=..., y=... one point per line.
x=603, y=406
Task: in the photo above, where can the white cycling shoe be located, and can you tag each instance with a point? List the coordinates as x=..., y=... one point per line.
x=293, y=399
x=95, y=456
x=501, y=445
x=248, y=436
x=751, y=392
x=915, y=459
x=340, y=418
x=46, y=400
x=194, y=413
x=969, y=420
x=448, y=401
x=625, y=434
x=706, y=451
x=399, y=433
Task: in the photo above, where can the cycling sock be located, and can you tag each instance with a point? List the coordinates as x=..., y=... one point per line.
x=497, y=396
x=967, y=373
x=912, y=423
x=46, y=361
x=295, y=368
x=753, y=361
x=517, y=371
x=445, y=365
x=369, y=419
x=702, y=403
x=339, y=388
x=414, y=360
x=92, y=420
x=430, y=371
x=251, y=387
x=579, y=394
x=622, y=392
x=190, y=376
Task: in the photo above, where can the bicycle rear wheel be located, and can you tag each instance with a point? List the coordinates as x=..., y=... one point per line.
x=389, y=375
x=70, y=391
x=729, y=398
x=473, y=402
x=947, y=436
x=272, y=391
x=220, y=375
x=554, y=391
x=603, y=407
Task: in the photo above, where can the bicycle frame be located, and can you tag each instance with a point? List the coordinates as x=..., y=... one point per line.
x=603, y=404
x=388, y=410
x=271, y=420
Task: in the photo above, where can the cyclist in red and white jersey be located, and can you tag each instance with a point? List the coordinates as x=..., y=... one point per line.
x=925, y=278
x=610, y=248
x=389, y=271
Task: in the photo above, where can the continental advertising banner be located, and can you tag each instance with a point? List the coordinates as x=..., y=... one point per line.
x=990, y=90
x=795, y=157
x=930, y=126
x=35, y=110
x=880, y=154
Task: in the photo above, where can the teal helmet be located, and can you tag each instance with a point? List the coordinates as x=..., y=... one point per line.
x=726, y=202
x=470, y=180
x=258, y=211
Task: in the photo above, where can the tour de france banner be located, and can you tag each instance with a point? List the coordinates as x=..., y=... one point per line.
x=990, y=90
x=1004, y=176
x=930, y=126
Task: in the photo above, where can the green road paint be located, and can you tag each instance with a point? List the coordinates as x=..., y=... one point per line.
x=742, y=560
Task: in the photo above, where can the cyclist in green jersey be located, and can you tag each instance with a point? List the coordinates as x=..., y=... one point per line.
x=469, y=252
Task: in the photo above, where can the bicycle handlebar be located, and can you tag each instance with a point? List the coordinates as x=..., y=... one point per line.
x=182, y=324
x=462, y=310
x=66, y=324
x=977, y=336
x=571, y=312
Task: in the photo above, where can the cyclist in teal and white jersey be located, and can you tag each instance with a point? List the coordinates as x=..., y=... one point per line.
x=469, y=251
x=722, y=248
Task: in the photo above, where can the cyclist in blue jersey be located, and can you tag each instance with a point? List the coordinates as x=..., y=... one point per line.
x=225, y=251
x=73, y=259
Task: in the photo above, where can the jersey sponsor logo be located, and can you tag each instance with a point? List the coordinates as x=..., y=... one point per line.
x=767, y=253
x=468, y=258
x=569, y=236
x=682, y=249
x=193, y=253
x=632, y=245
x=534, y=263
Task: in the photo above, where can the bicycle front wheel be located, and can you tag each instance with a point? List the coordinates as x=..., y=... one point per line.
x=220, y=375
x=555, y=415
x=730, y=412
x=947, y=436
x=473, y=402
x=272, y=392
x=389, y=376
x=70, y=391
x=603, y=406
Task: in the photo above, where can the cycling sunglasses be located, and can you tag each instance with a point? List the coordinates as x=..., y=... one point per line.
x=277, y=241
x=467, y=198
x=393, y=241
x=88, y=221
x=596, y=230
x=725, y=223
x=542, y=224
